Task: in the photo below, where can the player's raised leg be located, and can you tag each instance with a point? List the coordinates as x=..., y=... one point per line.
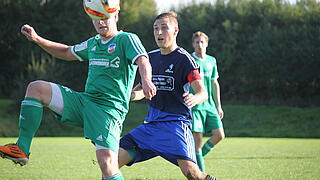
x=38, y=93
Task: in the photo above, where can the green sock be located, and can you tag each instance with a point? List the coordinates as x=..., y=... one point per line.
x=206, y=148
x=29, y=121
x=117, y=176
x=200, y=161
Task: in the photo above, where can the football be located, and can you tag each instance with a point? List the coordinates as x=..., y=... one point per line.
x=101, y=9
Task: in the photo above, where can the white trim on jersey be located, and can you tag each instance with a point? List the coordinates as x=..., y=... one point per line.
x=191, y=59
x=153, y=51
x=137, y=48
x=74, y=53
x=133, y=39
x=137, y=56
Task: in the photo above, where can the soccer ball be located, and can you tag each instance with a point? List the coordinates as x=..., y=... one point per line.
x=101, y=9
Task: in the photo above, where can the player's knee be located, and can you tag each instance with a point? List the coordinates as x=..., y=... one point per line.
x=192, y=173
x=34, y=87
x=189, y=175
x=218, y=135
x=222, y=136
x=37, y=89
x=107, y=159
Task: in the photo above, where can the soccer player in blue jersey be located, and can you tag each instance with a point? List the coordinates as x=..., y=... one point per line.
x=207, y=115
x=113, y=57
x=166, y=131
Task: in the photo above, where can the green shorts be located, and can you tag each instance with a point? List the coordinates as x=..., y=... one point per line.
x=203, y=121
x=102, y=124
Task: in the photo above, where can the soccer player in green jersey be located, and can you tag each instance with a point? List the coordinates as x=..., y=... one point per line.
x=113, y=57
x=206, y=116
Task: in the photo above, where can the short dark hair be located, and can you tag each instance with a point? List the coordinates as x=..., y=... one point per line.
x=171, y=15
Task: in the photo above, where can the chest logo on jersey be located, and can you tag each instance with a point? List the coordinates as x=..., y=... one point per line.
x=114, y=63
x=111, y=48
x=163, y=83
x=170, y=69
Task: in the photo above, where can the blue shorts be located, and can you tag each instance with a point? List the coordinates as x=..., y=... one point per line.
x=171, y=140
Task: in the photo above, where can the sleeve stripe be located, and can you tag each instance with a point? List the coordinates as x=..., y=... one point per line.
x=136, y=46
x=153, y=51
x=74, y=53
x=139, y=55
x=191, y=59
x=138, y=43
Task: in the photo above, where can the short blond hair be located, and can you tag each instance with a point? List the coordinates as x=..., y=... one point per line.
x=199, y=34
x=171, y=15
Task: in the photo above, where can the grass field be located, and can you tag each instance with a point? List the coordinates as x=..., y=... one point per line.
x=239, y=121
x=233, y=159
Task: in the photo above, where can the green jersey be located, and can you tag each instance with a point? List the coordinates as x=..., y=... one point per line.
x=111, y=68
x=208, y=72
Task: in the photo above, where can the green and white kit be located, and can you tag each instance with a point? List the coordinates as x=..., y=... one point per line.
x=205, y=116
x=102, y=108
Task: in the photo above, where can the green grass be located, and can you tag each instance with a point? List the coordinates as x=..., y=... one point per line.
x=271, y=121
x=233, y=159
x=239, y=121
x=254, y=121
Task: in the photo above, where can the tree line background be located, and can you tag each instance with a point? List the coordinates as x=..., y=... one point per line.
x=268, y=51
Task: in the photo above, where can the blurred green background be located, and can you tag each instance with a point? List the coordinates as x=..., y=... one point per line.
x=268, y=55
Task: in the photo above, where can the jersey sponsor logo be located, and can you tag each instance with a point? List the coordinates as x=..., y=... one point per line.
x=81, y=46
x=170, y=69
x=114, y=63
x=111, y=48
x=163, y=83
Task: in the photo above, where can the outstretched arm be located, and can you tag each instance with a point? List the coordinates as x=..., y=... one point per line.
x=149, y=89
x=58, y=50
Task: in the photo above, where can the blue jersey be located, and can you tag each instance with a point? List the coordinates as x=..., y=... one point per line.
x=169, y=75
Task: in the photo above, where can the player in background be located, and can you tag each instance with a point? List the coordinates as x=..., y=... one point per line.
x=166, y=131
x=206, y=116
x=113, y=57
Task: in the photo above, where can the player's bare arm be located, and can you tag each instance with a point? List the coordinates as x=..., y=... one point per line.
x=200, y=95
x=149, y=89
x=58, y=50
x=137, y=93
x=216, y=97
